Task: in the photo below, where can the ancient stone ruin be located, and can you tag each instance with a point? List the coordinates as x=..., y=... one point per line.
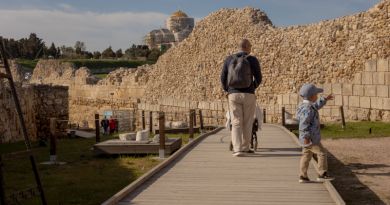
x=179, y=26
x=347, y=56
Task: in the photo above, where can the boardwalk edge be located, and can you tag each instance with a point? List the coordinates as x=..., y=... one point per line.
x=137, y=183
x=328, y=185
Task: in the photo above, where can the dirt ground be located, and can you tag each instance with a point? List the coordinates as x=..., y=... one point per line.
x=361, y=168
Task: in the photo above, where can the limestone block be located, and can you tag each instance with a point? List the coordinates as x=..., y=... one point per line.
x=179, y=124
x=357, y=79
x=142, y=136
x=375, y=115
x=194, y=104
x=127, y=136
x=335, y=112
x=376, y=103
x=358, y=90
x=365, y=102
x=367, y=78
x=354, y=101
x=207, y=105
x=370, y=90
x=294, y=99
x=338, y=100
x=378, y=78
x=280, y=99
x=286, y=99
x=370, y=65
x=345, y=101
x=327, y=88
x=363, y=114
x=383, y=65
x=382, y=91
x=386, y=103
x=336, y=89
x=327, y=112
x=387, y=78
x=347, y=89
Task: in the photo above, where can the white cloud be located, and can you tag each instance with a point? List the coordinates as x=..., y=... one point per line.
x=65, y=27
x=65, y=7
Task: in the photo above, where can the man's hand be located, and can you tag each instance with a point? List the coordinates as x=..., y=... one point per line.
x=329, y=97
x=307, y=141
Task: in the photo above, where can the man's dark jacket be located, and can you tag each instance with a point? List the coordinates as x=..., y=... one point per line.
x=256, y=72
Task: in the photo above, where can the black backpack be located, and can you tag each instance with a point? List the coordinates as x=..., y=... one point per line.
x=239, y=73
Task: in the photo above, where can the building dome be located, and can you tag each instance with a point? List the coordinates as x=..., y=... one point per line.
x=179, y=14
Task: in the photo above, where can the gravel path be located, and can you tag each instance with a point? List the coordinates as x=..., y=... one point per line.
x=365, y=178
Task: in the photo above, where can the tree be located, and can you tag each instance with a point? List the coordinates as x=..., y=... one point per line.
x=79, y=47
x=52, y=51
x=68, y=52
x=87, y=54
x=96, y=55
x=119, y=53
x=108, y=53
x=154, y=54
x=137, y=51
x=30, y=48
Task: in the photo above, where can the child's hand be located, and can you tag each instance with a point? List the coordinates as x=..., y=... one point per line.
x=307, y=141
x=329, y=97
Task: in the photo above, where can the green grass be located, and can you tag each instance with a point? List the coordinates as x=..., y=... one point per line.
x=85, y=179
x=30, y=64
x=106, y=63
x=101, y=76
x=356, y=130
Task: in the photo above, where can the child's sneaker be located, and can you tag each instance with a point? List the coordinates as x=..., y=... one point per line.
x=304, y=179
x=325, y=177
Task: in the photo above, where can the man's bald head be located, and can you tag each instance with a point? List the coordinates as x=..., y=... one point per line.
x=245, y=45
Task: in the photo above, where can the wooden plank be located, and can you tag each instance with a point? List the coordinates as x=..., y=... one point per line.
x=210, y=175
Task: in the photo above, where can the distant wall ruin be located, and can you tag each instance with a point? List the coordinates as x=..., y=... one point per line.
x=39, y=103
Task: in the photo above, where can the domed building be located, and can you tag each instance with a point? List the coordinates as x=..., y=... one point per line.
x=179, y=27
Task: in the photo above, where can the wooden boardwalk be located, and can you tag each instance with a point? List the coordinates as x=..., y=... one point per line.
x=209, y=174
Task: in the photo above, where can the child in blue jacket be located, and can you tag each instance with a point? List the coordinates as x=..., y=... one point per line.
x=309, y=131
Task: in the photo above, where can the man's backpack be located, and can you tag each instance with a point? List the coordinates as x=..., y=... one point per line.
x=240, y=73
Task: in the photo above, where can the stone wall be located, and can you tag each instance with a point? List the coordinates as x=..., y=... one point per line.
x=365, y=97
x=38, y=103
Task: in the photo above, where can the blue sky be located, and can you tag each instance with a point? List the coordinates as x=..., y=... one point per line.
x=100, y=23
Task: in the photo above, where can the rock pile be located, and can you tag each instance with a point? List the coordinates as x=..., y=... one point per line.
x=53, y=72
x=127, y=76
x=326, y=52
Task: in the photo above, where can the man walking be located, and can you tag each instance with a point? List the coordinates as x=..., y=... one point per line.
x=240, y=77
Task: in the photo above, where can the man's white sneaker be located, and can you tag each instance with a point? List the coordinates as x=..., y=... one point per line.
x=237, y=154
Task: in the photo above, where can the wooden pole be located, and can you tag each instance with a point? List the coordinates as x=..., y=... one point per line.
x=97, y=128
x=194, y=113
x=2, y=188
x=143, y=120
x=53, y=140
x=150, y=121
x=264, y=116
x=342, y=117
x=201, y=120
x=161, y=122
x=191, y=130
x=283, y=116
